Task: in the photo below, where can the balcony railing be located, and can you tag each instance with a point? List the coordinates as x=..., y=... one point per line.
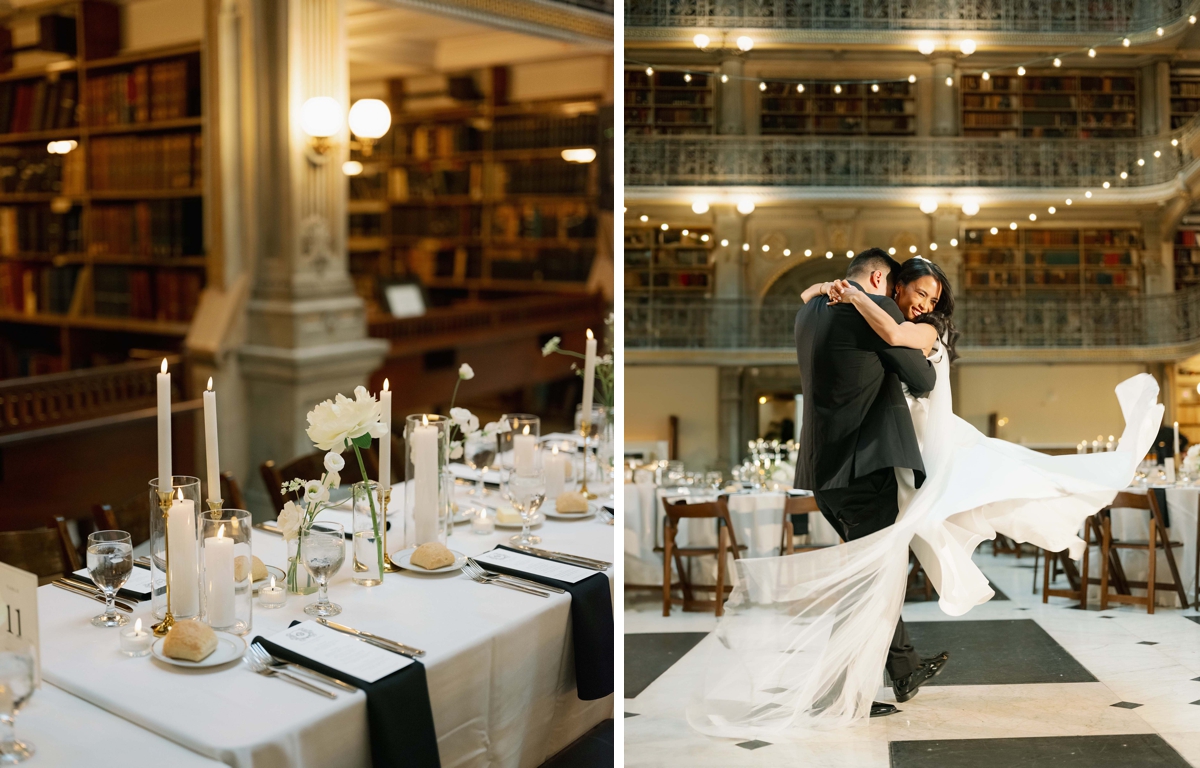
x=1050, y=322
x=1021, y=16
x=825, y=161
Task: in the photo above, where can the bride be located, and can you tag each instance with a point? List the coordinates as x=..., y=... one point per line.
x=804, y=637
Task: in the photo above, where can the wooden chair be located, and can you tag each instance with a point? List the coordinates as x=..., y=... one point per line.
x=1055, y=563
x=41, y=551
x=1152, y=545
x=726, y=544
x=917, y=578
x=311, y=467
x=70, y=551
x=797, y=505
x=231, y=492
x=131, y=516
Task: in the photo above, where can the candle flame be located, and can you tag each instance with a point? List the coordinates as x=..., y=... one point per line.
x=555, y=450
x=163, y=367
x=272, y=584
x=221, y=532
x=1111, y=438
x=210, y=383
x=137, y=627
x=526, y=430
x=590, y=336
x=179, y=494
x=424, y=420
x=385, y=384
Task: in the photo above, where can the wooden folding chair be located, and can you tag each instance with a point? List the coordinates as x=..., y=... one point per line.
x=311, y=467
x=726, y=543
x=131, y=516
x=1055, y=563
x=231, y=492
x=41, y=551
x=797, y=505
x=1158, y=529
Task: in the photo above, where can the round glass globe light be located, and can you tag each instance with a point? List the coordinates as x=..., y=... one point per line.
x=321, y=117
x=370, y=118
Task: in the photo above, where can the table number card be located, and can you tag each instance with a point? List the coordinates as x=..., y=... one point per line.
x=18, y=614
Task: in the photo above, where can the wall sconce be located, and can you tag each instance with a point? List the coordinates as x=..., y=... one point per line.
x=352, y=168
x=61, y=147
x=320, y=118
x=369, y=120
x=579, y=155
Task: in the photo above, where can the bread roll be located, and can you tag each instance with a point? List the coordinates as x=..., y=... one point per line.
x=257, y=571
x=506, y=515
x=432, y=556
x=189, y=640
x=571, y=503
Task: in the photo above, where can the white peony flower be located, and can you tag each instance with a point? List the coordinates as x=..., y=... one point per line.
x=315, y=492
x=289, y=520
x=333, y=422
x=466, y=420
x=334, y=462
x=457, y=451
x=465, y=372
x=333, y=480
x=551, y=346
x=378, y=430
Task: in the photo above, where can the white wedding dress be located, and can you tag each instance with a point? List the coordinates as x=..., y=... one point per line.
x=805, y=636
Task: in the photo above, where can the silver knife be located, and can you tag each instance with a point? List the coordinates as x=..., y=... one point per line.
x=564, y=559
x=382, y=642
x=575, y=557
x=120, y=605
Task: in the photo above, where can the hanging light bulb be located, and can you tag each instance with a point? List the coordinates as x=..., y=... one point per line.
x=933, y=246
x=1088, y=194
x=912, y=78
x=1021, y=71
x=1057, y=62
x=724, y=243
x=1174, y=142
x=985, y=75
x=994, y=231
x=649, y=71
x=925, y=47
x=1191, y=19
x=700, y=206
x=762, y=86
x=724, y=78
x=744, y=43
x=849, y=254
x=970, y=207
x=745, y=207
x=701, y=41
x=1033, y=217
x=644, y=218
x=1012, y=225
x=704, y=238
x=766, y=248
x=837, y=89
x=800, y=88
x=808, y=251
x=787, y=251
x=1157, y=153
x=687, y=78
x=1091, y=53
x=912, y=249
x=891, y=251
x=967, y=47
x=1105, y=185
x=954, y=242
x=745, y=246
x=1159, y=31
x=928, y=205
x=949, y=81
x=1141, y=161
x=1052, y=209
x=874, y=87
x=1068, y=201
x=1125, y=42
x=664, y=226
x=829, y=254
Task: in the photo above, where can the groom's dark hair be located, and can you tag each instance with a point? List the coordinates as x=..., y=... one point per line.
x=871, y=260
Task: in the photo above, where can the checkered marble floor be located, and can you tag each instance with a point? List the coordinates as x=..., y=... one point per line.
x=1027, y=684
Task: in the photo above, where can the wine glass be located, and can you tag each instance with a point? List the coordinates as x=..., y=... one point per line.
x=110, y=563
x=479, y=451
x=323, y=549
x=16, y=686
x=527, y=491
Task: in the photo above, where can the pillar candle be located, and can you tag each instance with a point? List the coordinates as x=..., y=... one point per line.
x=218, y=580
x=385, y=442
x=589, y=376
x=556, y=473
x=1176, y=453
x=425, y=491
x=164, y=428
x=524, y=446
x=182, y=558
x=210, y=443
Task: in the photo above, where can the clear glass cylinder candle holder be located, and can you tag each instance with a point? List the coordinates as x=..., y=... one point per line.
x=597, y=417
x=226, y=570
x=514, y=447
x=369, y=541
x=175, y=548
x=427, y=494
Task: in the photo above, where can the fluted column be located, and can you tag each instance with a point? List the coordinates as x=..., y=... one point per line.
x=945, y=98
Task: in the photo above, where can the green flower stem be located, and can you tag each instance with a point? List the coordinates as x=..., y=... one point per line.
x=455, y=394
x=374, y=517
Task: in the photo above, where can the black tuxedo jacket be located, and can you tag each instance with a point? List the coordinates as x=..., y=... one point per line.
x=856, y=419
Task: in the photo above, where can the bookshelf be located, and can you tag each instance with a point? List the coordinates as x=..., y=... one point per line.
x=669, y=103
x=1053, y=104
x=1034, y=260
x=1187, y=258
x=1185, y=96
x=671, y=263
x=830, y=108
x=470, y=195
x=101, y=248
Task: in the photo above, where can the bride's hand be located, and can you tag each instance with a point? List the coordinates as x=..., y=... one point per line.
x=841, y=291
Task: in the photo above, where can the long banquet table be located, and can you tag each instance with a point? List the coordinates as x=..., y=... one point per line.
x=499, y=666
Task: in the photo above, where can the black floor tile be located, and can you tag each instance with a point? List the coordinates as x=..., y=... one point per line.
x=915, y=595
x=593, y=749
x=1193, y=618
x=649, y=655
x=1141, y=750
x=1008, y=652
x=753, y=745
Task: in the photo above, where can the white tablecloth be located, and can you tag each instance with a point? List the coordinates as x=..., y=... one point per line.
x=499, y=666
x=757, y=520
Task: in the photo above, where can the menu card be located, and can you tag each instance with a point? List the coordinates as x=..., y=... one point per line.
x=343, y=652
x=535, y=566
x=137, y=585
x=19, y=616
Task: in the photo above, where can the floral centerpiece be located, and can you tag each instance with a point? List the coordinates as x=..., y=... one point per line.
x=297, y=516
x=1191, y=461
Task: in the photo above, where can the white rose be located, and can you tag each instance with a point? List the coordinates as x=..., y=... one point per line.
x=457, y=451
x=468, y=421
x=551, y=346
x=315, y=492
x=333, y=422
x=289, y=520
x=465, y=372
x=334, y=462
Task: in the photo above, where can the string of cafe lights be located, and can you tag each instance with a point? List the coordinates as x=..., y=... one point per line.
x=926, y=47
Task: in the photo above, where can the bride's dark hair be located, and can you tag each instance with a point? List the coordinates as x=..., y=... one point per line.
x=942, y=316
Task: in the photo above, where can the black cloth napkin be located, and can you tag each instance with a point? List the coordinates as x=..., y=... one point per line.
x=399, y=717
x=1161, y=493
x=592, y=628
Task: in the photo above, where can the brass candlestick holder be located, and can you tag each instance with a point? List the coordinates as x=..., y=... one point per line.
x=215, y=507
x=385, y=495
x=585, y=429
x=164, y=506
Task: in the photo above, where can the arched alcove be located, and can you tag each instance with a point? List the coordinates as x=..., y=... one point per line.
x=790, y=283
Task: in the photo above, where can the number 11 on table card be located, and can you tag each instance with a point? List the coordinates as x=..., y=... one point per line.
x=18, y=607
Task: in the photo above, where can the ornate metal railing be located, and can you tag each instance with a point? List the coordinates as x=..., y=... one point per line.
x=1036, y=16
x=1029, y=322
x=822, y=161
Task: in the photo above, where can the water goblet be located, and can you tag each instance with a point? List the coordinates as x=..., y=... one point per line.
x=16, y=686
x=323, y=550
x=479, y=451
x=110, y=563
x=527, y=492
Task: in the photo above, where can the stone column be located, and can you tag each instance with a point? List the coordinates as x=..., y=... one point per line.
x=728, y=272
x=945, y=97
x=729, y=416
x=306, y=334
x=948, y=257
x=732, y=97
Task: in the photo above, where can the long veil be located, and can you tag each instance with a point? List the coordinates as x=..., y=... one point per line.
x=804, y=638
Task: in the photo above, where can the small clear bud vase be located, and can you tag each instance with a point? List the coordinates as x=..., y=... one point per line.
x=226, y=570
x=368, y=549
x=299, y=580
x=175, y=548
x=427, y=494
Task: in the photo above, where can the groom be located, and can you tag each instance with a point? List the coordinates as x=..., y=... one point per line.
x=857, y=430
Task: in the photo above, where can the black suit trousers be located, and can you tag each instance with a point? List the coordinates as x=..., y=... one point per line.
x=865, y=506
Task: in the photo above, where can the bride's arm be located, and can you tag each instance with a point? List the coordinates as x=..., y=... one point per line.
x=813, y=291
x=912, y=335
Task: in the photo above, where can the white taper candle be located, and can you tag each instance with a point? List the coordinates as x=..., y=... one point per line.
x=164, y=428
x=210, y=443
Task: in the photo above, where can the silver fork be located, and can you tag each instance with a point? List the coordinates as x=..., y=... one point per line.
x=477, y=574
x=510, y=577
x=258, y=650
x=259, y=666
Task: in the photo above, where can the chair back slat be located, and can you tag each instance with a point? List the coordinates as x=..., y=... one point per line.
x=800, y=505
x=131, y=516
x=311, y=467
x=231, y=492
x=1128, y=500
x=40, y=551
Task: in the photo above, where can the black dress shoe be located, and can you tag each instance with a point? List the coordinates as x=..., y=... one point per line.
x=882, y=709
x=906, y=687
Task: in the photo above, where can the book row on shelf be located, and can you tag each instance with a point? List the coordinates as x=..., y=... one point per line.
x=38, y=106
x=34, y=288
x=35, y=229
x=541, y=132
x=156, y=162
x=1050, y=257
x=153, y=229
x=479, y=180
x=28, y=169
x=549, y=264
x=160, y=294
x=166, y=90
